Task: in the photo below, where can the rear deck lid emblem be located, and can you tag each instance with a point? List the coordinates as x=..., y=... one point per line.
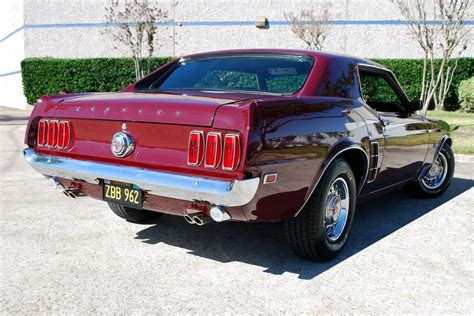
x=122, y=144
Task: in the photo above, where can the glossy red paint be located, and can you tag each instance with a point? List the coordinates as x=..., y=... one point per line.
x=295, y=137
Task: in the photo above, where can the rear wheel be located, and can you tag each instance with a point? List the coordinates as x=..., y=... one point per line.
x=439, y=177
x=133, y=215
x=321, y=229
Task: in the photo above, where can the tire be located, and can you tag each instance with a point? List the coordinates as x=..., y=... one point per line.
x=422, y=187
x=307, y=233
x=133, y=215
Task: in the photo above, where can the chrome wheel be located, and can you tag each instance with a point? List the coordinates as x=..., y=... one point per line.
x=337, y=209
x=437, y=173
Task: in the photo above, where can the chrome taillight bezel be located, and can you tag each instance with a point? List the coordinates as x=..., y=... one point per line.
x=201, y=148
x=42, y=124
x=218, y=151
x=53, y=127
x=67, y=130
x=237, y=152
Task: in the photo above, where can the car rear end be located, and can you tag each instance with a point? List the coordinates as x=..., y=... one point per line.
x=166, y=143
x=171, y=168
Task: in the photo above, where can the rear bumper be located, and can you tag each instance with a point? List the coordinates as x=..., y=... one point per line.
x=217, y=192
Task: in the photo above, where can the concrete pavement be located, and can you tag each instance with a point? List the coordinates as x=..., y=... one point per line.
x=60, y=255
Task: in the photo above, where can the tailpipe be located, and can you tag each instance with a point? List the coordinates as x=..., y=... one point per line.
x=189, y=218
x=73, y=193
x=218, y=214
x=201, y=219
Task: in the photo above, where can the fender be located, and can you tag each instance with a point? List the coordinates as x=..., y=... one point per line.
x=334, y=152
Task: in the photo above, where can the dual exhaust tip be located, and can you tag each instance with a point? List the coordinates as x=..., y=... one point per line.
x=217, y=213
x=69, y=192
x=73, y=193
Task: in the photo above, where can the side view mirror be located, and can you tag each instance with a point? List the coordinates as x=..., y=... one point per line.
x=414, y=106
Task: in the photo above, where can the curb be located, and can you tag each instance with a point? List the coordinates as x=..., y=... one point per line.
x=464, y=158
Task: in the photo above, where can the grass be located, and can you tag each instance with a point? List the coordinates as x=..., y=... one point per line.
x=463, y=137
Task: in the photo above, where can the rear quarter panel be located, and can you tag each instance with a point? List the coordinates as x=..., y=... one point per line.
x=295, y=138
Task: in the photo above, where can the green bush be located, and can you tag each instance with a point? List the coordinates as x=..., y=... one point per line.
x=466, y=94
x=408, y=73
x=43, y=76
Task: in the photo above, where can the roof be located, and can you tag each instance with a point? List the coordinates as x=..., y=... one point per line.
x=315, y=54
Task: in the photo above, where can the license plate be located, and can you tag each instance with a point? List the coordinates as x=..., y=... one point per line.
x=126, y=194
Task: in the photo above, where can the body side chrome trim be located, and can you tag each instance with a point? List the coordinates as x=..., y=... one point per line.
x=188, y=188
x=328, y=164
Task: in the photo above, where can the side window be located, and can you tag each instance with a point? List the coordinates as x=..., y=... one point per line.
x=378, y=93
x=227, y=79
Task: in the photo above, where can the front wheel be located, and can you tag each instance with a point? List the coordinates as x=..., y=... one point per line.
x=321, y=229
x=439, y=177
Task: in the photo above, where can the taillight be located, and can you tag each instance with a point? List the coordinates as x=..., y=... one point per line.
x=54, y=134
x=195, y=148
x=231, y=152
x=64, y=134
x=213, y=150
x=42, y=132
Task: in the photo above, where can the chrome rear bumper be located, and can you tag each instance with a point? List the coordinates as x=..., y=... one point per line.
x=188, y=188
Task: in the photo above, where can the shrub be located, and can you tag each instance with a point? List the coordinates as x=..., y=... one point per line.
x=466, y=95
x=43, y=76
x=408, y=73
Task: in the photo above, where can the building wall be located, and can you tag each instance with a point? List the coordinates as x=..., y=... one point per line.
x=12, y=51
x=74, y=28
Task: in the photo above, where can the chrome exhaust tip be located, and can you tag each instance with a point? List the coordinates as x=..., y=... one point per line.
x=201, y=219
x=188, y=218
x=55, y=184
x=218, y=214
x=73, y=193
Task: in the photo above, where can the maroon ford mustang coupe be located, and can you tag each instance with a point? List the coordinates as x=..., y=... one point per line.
x=248, y=135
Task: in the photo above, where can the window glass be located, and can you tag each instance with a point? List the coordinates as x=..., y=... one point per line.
x=378, y=93
x=285, y=84
x=222, y=79
x=266, y=73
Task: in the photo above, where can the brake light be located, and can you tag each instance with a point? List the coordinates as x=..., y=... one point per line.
x=195, y=148
x=64, y=135
x=42, y=132
x=213, y=150
x=54, y=134
x=231, y=152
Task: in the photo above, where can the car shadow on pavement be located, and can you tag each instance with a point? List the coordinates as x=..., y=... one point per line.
x=264, y=244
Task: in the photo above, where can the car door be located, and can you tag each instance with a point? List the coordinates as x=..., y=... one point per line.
x=404, y=133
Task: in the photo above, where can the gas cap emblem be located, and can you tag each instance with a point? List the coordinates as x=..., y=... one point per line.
x=122, y=144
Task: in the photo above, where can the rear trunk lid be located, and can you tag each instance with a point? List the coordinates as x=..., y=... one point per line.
x=167, y=108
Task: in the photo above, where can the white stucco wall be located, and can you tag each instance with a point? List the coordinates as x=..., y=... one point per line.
x=12, y=52
x=73, y=28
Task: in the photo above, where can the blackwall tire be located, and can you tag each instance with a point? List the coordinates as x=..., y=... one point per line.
x=308, y=233
x=133, y=215
x=424, y=188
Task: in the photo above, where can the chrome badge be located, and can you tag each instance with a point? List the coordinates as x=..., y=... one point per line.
x=122, y=144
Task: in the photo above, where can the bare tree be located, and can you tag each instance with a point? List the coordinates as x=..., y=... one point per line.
x=439, y=29
x=311, y=27
x=133, y=24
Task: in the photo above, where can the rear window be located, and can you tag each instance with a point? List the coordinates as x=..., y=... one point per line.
x=259, y=73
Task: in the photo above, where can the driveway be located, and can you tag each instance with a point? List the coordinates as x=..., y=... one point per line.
x=62, y=255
